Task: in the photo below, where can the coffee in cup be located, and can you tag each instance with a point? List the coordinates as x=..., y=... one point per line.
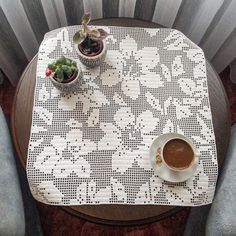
x=178, y=154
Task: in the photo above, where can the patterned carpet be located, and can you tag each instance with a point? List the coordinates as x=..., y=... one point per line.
x=56, y=221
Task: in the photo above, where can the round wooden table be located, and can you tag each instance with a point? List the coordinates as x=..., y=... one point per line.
x=116, y=214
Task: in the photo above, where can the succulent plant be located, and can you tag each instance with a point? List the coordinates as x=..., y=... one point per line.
x=62, y=69
x=87, y=32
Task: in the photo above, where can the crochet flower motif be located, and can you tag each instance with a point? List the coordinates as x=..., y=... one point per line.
x=131, y=67
x=129, y=137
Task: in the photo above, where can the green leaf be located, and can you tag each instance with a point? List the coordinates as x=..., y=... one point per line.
x=64, y=67
x=67, y=70
x=57, y=71
x=74, y=68
x=94, y=32
x=52, y=67
x=97, y=34
x=74, y=63
x=68, y=62
x=103, y=33
x=86, y=18
x=59, y=75
x=79, y=37
x=61, y=61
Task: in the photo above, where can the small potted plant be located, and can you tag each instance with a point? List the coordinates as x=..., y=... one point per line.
x=90, y=43
x=65, y=74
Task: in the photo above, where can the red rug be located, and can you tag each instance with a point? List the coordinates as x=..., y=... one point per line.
x=56, y=221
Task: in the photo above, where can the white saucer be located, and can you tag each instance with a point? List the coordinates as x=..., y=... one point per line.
x=161, y=169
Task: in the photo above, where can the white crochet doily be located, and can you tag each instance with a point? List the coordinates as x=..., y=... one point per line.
x=92, y=146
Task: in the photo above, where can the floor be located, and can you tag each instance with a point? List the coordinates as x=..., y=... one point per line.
x=231, y=92
x=56, y=221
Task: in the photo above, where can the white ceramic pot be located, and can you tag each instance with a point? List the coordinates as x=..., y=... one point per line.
x=92, y=61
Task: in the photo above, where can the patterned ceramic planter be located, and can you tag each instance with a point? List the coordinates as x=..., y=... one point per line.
x=92, y=61
x=70, y=86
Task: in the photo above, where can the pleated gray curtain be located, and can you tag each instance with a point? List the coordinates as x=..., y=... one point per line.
x=209, y=23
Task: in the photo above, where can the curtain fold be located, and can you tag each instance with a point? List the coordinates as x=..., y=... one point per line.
x=209, y=23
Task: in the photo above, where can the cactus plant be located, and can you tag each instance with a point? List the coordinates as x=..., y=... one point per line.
x=62, y=70
x=89, y=39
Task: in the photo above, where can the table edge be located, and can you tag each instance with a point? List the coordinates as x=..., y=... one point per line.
x=13, y=125
x=144, y=221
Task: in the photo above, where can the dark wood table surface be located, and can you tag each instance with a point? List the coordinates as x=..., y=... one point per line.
x=117, y=214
